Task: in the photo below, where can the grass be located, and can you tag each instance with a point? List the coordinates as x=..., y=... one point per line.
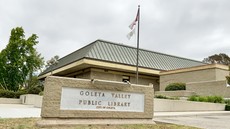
x=30, y=123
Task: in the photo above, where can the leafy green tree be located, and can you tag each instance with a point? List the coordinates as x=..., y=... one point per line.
x=218, y=58
x=19, y=60
x=52, y=63
x=228, y=77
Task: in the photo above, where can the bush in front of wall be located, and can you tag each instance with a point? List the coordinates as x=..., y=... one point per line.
x=34, y=90
x=6, y=94
x=11, y=94
x=227, y=101
x=41, y=93
x=175, y=86
x=227, y=107
x=203, y=99
x=193, y=98
x=18, y=93
x=165, y=97
x=211, y=99
x=228, y=80
x=161, y=97
x=215, y=99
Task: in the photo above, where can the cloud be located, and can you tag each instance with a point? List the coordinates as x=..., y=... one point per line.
x=192, y=29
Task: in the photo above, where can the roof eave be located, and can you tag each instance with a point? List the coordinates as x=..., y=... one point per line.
x=195, y=68
x=102, y=64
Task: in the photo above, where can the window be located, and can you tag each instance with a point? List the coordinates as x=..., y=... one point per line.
x=125, y=78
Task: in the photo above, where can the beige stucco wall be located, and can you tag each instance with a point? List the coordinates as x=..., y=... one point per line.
x=53, y=90
x=84, y=75
x=221, y=74
x=218, y=88
x=190, y=76
x=103, y=75
x=147, y=81
x=117, y=76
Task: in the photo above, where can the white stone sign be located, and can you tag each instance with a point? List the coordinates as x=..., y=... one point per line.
x=101, y=100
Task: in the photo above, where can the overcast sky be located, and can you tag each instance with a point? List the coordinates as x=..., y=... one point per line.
x=187, y=28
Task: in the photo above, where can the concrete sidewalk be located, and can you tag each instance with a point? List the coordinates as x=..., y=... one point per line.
x=204, y=120
x=207, y=120
x=18, y=111
x=201, y=113
x=24, y=111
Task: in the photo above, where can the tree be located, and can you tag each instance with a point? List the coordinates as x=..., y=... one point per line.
x=52, y=62
x=19, y=60
x=228, y=77
x=218, y=58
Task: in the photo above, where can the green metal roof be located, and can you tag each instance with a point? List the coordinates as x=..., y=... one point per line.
x=123, y=54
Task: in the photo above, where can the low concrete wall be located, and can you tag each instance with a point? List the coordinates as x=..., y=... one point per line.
x=180, y=93
x=165, y=105
x=29, y=99
x=38, y=101
x=10, y=101
x=207, y=88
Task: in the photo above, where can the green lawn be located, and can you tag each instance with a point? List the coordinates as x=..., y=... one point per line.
x=30, y=123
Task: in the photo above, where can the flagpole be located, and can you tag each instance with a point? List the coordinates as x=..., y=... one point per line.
x=137, y=65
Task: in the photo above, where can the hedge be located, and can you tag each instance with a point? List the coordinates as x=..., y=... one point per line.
x=166, y=97
x=175, y=86
x=34, y=90
x=211, y=99
x=227, y=107
x=11, y=94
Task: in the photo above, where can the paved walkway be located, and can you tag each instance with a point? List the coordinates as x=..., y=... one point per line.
x=201, y=113
x=207, y=120
x=18, y=111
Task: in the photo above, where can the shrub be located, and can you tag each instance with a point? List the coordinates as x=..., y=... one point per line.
x=202, y=99
x=41, y=93
x=18, y=93
x=228, y=80
x=227, y=107
x=161, y=97
x=166, y=97
x=175, y=86
x=215, y=99
x=193, y=98
x=227, y=101
x=211, y=99
x=11, y=94
x=218, y=99
x=7, y=94
x=34, y=90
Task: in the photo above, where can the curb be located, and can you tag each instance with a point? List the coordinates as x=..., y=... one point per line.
x=186, y=114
